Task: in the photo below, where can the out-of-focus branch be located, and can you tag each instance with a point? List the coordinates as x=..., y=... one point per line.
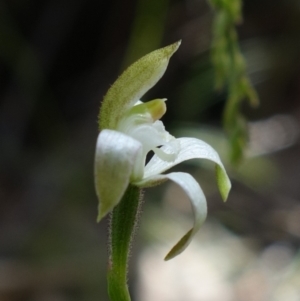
x=230, y=70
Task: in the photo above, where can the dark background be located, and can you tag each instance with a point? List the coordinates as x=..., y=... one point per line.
x=57, y=60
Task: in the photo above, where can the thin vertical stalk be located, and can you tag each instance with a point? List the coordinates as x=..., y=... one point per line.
x=122, y=227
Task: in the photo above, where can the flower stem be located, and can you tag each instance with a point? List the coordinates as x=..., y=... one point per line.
x=122, y=227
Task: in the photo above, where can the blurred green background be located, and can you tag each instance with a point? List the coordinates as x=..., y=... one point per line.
x=57, y=60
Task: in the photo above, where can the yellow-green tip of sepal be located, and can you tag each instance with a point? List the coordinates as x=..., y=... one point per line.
x=223, y=182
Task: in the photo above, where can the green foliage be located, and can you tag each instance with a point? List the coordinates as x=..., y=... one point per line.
x=230, y=70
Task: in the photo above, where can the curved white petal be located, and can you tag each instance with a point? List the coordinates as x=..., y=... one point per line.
x=190, y=148
x=148, y=135
x=115, y=159
x=198, y=201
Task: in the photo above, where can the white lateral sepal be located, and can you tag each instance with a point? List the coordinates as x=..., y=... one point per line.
x=198, y=201
x=116, y=155
x=190, y=148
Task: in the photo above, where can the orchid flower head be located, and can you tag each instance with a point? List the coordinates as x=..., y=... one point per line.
x=130, y=129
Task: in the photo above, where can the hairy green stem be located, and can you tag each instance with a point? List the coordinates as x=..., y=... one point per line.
x=122, y=227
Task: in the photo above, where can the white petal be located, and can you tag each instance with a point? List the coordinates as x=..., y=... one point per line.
x=116, y=155
x=190, y=148
x=150, y=135
x=198, y=201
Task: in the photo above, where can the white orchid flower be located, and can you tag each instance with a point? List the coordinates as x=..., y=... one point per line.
x=130, y=129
